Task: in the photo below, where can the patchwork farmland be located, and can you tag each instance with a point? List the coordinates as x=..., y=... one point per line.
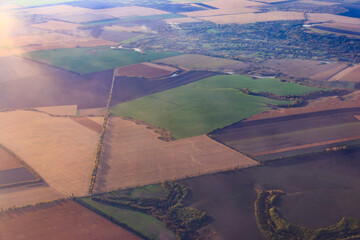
x=133, y=155
x=70, y=148
x=278, y=137
x=202, y=106
x=145, y=70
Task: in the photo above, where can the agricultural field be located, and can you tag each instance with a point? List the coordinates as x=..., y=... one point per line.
x=88, y=123
x=334, y=21
x=49, y=86
x=126, y=89
x=59, y=149
x=66, y=110
x=59, y=220
x=83, y=18
x=317, y=70
x=312, y=197
x=255, y=17
x=54, y=40
x=8, y=161
x=117, y=36
x=200, y=62
x=92, y=112
x=202, y=106
x=265, y=139
x=145, y=70
x=90, y=60
x=125, y=12
x=133, y=155
x=54, y=25
x=327, y=103
x=146, y=224
x=350, y=74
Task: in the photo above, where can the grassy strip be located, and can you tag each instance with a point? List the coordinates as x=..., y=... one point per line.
x=101, y=139
x=275, y=227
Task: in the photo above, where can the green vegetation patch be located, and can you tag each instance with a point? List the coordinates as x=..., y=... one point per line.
x=150, y=211
x=205, y=105
x=274, y=226
x=89, y=60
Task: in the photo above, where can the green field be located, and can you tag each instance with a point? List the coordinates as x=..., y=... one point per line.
x=205, y=105
x=141, y=222
x=89, y=60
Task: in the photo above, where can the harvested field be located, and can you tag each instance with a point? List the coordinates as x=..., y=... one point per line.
x=54, y=25
x=55, y=10
x=8, y=161
x=126, y=89
x=198, y=62
x=99, y=120
x=334, y=21
x=27, y=194
x=60, y=150
x=328, y=183
x=59, y=220
x=88, y=123
x=350, y=74
x=200, y=107
x=269, y=136
x=83, y=18
x=92, y=112
x=135, y=28
x=124, y=12
x=316, y=70
x=255, y=17
x=52, y=86
x=132, y=155
x=55, y=41
x=89, y=60
x=67, y=110
x=145, y=70
x=322, y=104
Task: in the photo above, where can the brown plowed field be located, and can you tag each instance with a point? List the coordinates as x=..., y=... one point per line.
x=316, y=70
x=40, y=85
x=27, y=194
x=92, y=112
x=60, y=150
x=62, y=220
x=15, y=175
x=88, y=123
x=126, y=89
x=291, y=132
x=124, y=12
x=7, y=161
x=132, y=155
x=144, y=70
x=350, y=101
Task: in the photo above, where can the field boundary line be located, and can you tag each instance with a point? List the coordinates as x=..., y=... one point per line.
x=306, y=146
x=101, y=139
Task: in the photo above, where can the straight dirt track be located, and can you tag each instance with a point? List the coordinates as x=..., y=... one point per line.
x=62, y=220
x=132, y=155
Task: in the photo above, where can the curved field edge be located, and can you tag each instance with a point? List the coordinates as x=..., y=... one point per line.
x=274, y=226
x=200, y=107
x=90, y=60
x=151, y=212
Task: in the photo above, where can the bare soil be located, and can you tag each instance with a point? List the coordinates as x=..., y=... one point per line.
x=63, y=220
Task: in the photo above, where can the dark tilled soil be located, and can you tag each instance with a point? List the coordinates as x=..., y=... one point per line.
x=15, y=175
